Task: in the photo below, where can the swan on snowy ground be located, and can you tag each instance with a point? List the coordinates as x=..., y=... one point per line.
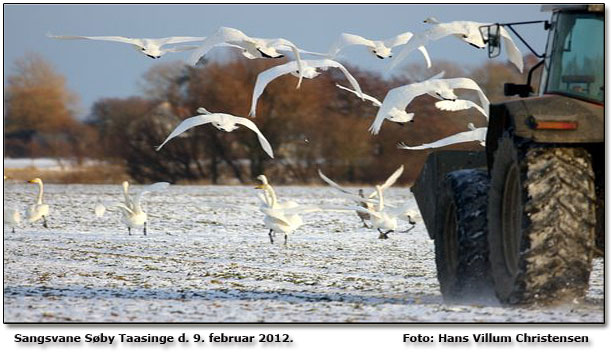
x=131, y=209
x=474, y=134
x=39, y=210
x=396, y=100
x=151, y=47
x=221, y=121
x=385, y=218
x=12, y=216
x=252, y=47
x=360, y=197
x=284, y=217
x=467, y=31
x=380, y=48
x=308, y=71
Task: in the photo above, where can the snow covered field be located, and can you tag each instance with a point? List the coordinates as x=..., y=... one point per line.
x=212, y=265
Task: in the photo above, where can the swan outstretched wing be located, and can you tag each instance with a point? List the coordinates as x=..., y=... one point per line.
x=514, y=54
x=333, y=184
x=345, y=40
x=478, y=134
x=177, y=39
x=420, y=40
x=466, y=83
x=180, y=49
x=265, y=145
x=372, y=99
x=325, y=63
x=265, y=77
x=187, y=124
x=278, y=43
x=458, y=105
x=156, y=187
x=390, y=181
x=121, y=39
x=222, y=35
x=398, y=98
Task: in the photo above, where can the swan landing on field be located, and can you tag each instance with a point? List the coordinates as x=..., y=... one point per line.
x=131, y=209
x=39, y=210
x=364, y=201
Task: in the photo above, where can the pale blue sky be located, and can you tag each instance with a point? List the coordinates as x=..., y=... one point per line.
x=102, y=69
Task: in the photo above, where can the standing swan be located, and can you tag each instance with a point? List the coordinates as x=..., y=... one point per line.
x=39, y=210
x=131, y=209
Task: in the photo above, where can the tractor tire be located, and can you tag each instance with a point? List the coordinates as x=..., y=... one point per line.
x=460, y=240
x=541, y=222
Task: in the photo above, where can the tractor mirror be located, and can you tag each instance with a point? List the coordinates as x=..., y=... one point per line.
x=491, y=37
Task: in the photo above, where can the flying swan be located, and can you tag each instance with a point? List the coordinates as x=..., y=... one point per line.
x=467, y=31
x=221, y=121
x=380, y=48
x=151, y=47
x=474, y=134
x=396, y=100
x=308, y=71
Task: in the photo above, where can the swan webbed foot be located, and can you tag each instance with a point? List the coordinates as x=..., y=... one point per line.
x=13, y=229
x=384, y=235
x=285, y=239
x=144, y=229
x=129, y=231
x=45, y=222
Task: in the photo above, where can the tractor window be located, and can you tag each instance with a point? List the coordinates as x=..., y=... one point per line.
x=577, y=58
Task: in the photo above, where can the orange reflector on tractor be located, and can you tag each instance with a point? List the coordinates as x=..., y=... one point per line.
x=556, y=125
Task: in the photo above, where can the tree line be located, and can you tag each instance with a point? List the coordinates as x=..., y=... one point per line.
x=316, y=127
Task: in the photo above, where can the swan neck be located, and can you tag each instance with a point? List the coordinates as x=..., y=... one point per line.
x=40, y=193
x=272, y=195
x=381, y=200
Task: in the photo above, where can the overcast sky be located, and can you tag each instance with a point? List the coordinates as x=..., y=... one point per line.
x=103, y=69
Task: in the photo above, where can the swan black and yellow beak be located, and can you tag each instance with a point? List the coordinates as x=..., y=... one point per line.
x=260, y=187
x=31, y=182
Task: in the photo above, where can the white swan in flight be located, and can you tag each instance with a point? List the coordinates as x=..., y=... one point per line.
x=396, y=100
x=467, y=31
x=131, y=210
x=151, y=47
x=379, y=48
x=308, y=71
x=364, y=201
x=474, y=134
x=221, y=121
x=12, y=216
x=252, y=47
x=39, y=210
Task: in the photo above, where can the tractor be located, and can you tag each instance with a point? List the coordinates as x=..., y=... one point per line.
x=522, y=220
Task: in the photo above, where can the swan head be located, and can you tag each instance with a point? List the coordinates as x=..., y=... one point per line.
x=150, y=51
x=431, y=20
x=400, y=116
x=225, y=125
x=474, y=38
x=382, y=52
x=269, y=52
x=446, y=94
x=35, y=181
x=263, y=179
x=307, y=72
